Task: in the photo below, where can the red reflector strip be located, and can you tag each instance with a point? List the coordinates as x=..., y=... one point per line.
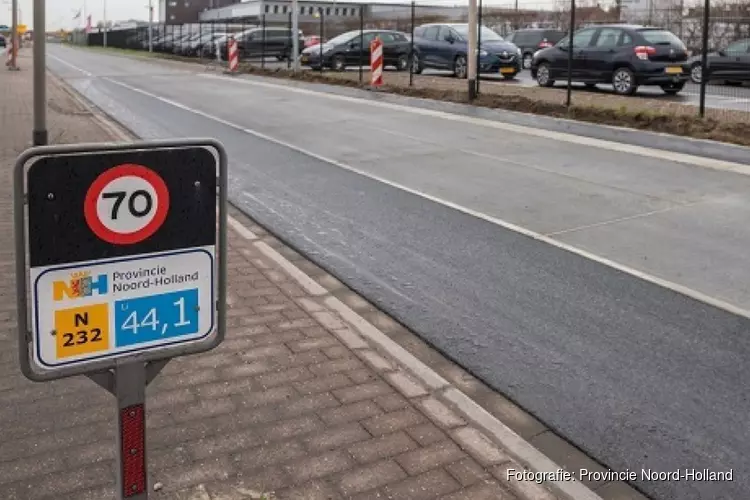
x=133, y=427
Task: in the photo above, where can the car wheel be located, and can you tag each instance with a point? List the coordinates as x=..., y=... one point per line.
x=459, y=67
x=696, y=73
x=527, y=60
x=543, y=77
x=338, y=63
x=623, y=80
x=403, y=63
x=672, y=88
x=416, y=64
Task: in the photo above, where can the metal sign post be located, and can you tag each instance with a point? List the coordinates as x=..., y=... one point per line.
x=126, y=269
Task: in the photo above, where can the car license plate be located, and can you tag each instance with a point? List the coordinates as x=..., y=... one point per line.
x=304, y=59
x=506, y=71
x=672, y=70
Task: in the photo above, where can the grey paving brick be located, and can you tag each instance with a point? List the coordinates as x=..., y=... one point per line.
x=283, y=377
x=292, y=427
x=323, y=384
x=362, y=392
x=336, y=437
x=32, y=467
x=393, y=421
x=488, y=490
x=392, y=402
x=202, y=409
x=350, y=412
x=313, y=490
x=336, y=352
x=203, y=471
x=71, y=482
x=468, y=472
x=370, y=477
x=266, y=351
x=406, y=385
x=310, y=403
x=339, y=365
x=268, y=454
x=425, y=486
x=440, y=413
x=221, y=444
x=362, y=376
x=435, y=455
x=480, y=446
x=426, y=434
x=319, y=466
x=385, y=446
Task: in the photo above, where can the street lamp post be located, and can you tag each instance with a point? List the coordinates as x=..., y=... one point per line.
x=150, y=25
x=40, y=77
x=14, y=37
x=471, y=69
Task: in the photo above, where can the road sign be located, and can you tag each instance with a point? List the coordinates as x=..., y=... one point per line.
x=125, y=261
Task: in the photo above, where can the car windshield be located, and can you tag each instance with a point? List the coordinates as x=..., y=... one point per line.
x=661, y=37
x=343, y=38
x=487, y=34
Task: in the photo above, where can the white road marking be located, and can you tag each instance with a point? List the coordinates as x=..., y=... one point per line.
x=700, y=296
x=519, y=129
x=72, y=66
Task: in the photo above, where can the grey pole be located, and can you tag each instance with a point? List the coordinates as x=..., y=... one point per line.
x=104, y=37
x=150, y=26
x=471, y=72
x=14, y=36
x=40, y=77
x=295, y=35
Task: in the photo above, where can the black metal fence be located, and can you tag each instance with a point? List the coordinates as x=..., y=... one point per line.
x=727, y=26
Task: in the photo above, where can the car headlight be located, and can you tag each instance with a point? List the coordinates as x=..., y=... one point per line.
x=518, y=51
x=482, y=53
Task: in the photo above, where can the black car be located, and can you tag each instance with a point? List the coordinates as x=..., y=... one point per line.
x=625, y=56
x=530, y=40
x=731, y=65
x=353, y=49
x=268, y=42
x=444, y=46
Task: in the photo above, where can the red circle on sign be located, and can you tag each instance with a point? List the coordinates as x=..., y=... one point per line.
x=95, y=190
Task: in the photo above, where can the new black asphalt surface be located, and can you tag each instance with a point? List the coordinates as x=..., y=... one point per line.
x=638, y=376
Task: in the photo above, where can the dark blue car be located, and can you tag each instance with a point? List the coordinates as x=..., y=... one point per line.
x=445, y=46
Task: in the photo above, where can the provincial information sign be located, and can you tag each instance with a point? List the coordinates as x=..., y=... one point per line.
x=124, y=253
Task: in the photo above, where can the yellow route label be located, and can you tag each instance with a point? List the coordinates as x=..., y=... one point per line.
x=82, y=330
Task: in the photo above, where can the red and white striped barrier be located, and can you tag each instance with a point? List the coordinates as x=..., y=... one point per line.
x=376, y=62
x=9, y=51
x=233, y=55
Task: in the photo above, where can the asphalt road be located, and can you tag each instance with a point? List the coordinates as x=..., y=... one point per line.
x=717, y=96
x=635, y=374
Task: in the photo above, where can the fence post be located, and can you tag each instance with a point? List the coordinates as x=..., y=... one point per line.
x=479, y=43
x=704, y=58
x=411, y=48
x=291, y=42
x=570, y=52
x=361, y=39
x=322, y=22
x=263, y=42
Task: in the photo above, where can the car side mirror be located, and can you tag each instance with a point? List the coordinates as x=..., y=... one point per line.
x=450, y=39
x=722, y=53
x=353, y=45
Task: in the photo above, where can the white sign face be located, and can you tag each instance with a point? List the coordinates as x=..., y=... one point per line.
x=126, y=204
x=121, y=306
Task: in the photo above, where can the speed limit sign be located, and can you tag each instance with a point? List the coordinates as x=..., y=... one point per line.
x=126, y=204
x=124, y=253
x=126, y=247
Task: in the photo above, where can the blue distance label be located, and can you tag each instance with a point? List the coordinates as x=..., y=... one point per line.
x=156, y=317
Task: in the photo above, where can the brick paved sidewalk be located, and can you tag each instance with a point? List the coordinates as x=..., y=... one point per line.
x=293, y=405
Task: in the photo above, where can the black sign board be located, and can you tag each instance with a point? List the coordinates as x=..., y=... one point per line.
x=90, y=206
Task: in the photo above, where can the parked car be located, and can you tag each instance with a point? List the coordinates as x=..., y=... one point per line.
x=353, y=48
x=444, y=46
x=194, y=46
x=311, y=40
x=268, y=42
x=3, y=43
x=530, y=40
x=732, y=65
x=625, y=56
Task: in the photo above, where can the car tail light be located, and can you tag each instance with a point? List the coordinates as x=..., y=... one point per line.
x=642, y=52
x=544, y=44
